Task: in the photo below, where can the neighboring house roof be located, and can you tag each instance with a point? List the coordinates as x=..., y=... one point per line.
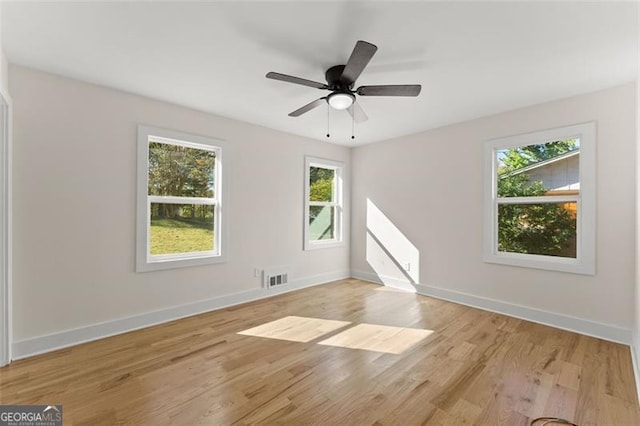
x=562, y=157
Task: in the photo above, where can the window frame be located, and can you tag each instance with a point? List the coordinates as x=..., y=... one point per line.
x=338, y=202
x=145, y=261
x=585, y=261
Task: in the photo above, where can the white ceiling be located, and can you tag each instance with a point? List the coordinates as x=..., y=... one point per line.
x=472, y=59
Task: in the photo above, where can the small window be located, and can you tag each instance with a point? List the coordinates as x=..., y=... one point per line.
x=179, y=200
x=323, y=203
x=540, y=200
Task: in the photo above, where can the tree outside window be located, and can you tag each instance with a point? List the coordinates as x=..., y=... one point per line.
x=538, y=228
x=323, y=203
x=180, y=211
x=540, y=199
x=179, y=171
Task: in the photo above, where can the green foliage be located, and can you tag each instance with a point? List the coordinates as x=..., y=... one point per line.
x=535, y=229
x=321, y=190
x=321, y=184
x=179, y=171
x=548, y=228
x=519, y=186
x=517, y=158
x=321, y=218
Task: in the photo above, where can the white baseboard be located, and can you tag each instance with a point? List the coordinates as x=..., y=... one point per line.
x=47, y=343
x=566, y=322
x=635, y=353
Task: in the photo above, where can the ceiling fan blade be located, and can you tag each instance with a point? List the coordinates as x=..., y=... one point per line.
x=390, y=90
x=295, y=80
x=357, y=113
x=360, y=57
x=307, y=107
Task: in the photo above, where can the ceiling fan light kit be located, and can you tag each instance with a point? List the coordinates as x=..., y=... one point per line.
x=341, y=100
x=341, y=80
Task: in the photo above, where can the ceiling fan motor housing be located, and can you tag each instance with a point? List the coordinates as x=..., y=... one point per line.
x=333, y=75
x=341, y=96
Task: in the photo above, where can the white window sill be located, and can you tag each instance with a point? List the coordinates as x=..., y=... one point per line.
x=173, y=263
x=316, y=245
x=549, y=263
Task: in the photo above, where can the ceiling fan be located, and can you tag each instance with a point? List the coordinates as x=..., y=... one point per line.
x=340, y=81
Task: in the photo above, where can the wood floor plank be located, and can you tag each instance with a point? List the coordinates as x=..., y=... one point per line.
x=396, y=358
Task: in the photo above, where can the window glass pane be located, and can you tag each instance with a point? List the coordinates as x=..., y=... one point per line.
x=321, y=223
x=180, y=171
x=551, y=168
x=321, y=184
x=546, y=229
x=181, y=228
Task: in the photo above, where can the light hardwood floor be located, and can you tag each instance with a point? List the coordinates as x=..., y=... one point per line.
x=276, y=361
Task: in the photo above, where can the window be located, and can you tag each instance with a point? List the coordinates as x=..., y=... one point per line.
x=323, y=203
x=180, y=207
x=540, y=200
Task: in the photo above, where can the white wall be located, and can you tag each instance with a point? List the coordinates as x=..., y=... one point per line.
x=4, y=65
x=74, y=158
x=74, y=206
x=5, y=202
x=430, y=187
x=635, y=347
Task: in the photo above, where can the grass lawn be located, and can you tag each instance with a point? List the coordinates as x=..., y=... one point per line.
x=170, y=236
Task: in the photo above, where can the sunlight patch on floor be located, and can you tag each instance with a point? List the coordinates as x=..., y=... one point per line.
x=378, y=338
x=390, y=289
x=295, y=329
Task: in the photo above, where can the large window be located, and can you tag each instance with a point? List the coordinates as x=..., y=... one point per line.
x=179, y=200
x=323, y=203
x=540, y=200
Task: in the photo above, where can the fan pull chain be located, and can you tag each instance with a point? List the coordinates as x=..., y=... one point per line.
x=328, y=111
x=353, y=127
